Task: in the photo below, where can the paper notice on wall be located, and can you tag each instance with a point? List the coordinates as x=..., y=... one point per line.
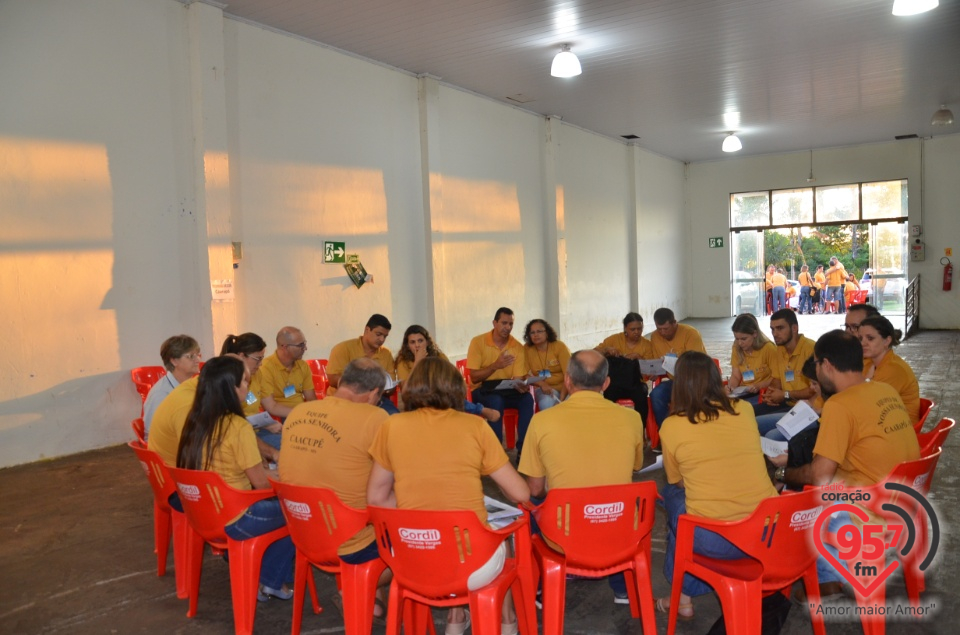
x=222, y=290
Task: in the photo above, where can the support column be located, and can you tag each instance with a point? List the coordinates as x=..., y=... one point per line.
x=428, y=92
x=554, y=230
x=633, y=226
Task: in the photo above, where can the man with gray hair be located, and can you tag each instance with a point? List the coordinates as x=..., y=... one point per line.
x=585, y=441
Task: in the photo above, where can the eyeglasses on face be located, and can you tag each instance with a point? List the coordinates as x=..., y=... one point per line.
x=302, y=346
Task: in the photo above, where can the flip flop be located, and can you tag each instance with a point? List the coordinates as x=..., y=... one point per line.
x=663, y=606
x=380, y=620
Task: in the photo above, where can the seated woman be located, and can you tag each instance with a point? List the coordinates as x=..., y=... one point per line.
x=713, y=464
x=181, y=358
x=754, y=359
x=432, y=455
x=547, y=357
x=216, y=437
x=880, y=363
x=251, y=348
x=418, y=345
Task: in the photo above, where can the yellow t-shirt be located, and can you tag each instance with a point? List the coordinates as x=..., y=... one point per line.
x=867, y=431
x=894, y=371
x=686, y=339
x=237, y=453
x=619, y=341
x=168, y=421
x=345, y=352
x=763, y=363
x=554, y=360
x=437, y=458
x=791, y=365
x=583, y=442
x=778, y=280
x=274, y=378
x=483, y=352
x=820, y=279
x=325, y=444
x=805, y=279
x=720, y=463
x=404, y=368
x=835, y=278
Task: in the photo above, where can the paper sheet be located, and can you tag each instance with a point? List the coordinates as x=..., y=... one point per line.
x=261, y=419
x=773, y=448
x=656, y=465
x=651, y=367
x=797, y=420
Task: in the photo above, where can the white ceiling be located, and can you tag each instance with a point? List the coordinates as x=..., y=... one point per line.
x=800, y=73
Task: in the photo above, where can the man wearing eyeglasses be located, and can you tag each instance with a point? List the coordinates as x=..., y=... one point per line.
x=856, y=314
x=285, y=379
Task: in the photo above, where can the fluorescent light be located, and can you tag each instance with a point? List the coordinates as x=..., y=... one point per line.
x=731, y=143
x=913, y=7
x=565, y=64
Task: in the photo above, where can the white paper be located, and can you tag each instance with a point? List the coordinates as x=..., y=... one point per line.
x=261, y=419
x=390, y=382
x=656, y=465
x=798, y=419
x=499, y=514
x=513, y=384
x=773, y=448
x=670, y=363
x=651, y=367
x=739, y=391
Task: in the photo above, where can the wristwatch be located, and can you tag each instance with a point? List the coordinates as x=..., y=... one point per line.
x=786, y=395
x=779, y=474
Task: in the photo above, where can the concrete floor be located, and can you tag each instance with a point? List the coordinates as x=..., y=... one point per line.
x=67, y=570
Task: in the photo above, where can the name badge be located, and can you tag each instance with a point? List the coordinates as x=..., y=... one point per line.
x=749, y=375
x=289, y=391
x=789, y=375
x=545, y=373
x=251, y=398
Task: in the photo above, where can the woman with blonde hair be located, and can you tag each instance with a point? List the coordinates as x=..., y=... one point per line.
x=754, y=360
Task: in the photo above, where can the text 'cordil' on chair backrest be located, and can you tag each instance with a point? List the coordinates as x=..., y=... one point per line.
x=433, y=553
x=318, y=521
x=598, y=526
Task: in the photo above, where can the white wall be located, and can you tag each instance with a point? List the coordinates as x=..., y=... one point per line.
x=710, y=184
x=138, y=139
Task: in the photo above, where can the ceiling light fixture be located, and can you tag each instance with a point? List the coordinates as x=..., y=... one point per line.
x=913, y=7
x=731, y=143
x=565, y=64
x=943, y=117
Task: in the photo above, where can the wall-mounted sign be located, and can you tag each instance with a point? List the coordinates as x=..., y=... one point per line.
x=333, y=252
x=222, y=290
x=715, y=243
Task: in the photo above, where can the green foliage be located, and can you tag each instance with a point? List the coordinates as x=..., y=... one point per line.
x=849, y=243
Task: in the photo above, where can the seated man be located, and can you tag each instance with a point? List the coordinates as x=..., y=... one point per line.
x=620, y=348
x=670, y=340
x=285, y=381
x=181, y=358
x=865, y=432
x=326, y=443
x=794, y=349
x=584, y=441
x=369, y=345
x=493, y=357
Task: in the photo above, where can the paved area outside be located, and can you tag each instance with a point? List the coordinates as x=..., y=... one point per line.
x=77, y=541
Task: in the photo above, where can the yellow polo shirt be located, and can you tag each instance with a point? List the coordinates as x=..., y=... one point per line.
x=764, y=363
x=896, y=372
x=483, y=352
x=554, y=360
x=274, y=378
x=345, y=352
x=619, y=342
x=686, y=339
x=791, y=376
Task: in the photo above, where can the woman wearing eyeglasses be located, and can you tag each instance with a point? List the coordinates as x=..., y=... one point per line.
x=547, y=358
x=251, y=348
x=880, y=363
x=181, y=358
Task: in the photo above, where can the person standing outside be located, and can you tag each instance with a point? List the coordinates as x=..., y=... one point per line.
x=807, y=284
x=821, y=281
x=778, y=282
x=835, y=275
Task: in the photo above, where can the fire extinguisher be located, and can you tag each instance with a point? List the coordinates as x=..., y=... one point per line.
x=947, y=273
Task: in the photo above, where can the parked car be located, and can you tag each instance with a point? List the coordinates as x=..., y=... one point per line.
x=747, y=293
x=892, y=288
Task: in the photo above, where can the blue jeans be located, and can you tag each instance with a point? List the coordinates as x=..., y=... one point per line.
x=544, y=400
x=270, y=438
x=768, y=423
x=806, y=304
x=499, y=400
x=779, y=300
x=825, y=570
x=387, y=404
x=705, y=542
x=660, y=400
x=262, y=517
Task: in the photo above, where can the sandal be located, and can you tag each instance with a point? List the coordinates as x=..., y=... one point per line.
x=380, y=620
x=662, y=605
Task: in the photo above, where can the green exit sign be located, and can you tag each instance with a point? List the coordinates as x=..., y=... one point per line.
x=715, y=243
x=333, y=252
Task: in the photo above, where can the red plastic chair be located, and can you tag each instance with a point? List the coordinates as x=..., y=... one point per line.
x=138, y=429
x=318, y=367
x=601, y=530
x=433, y=553
x=167, y=522
x=144, y=378
x=210, y=504
x=319, y=523
x=933, y=440
x=776, y=536
x=858, y=296
x=925, y=407
x=511, y=416
x=462, y=367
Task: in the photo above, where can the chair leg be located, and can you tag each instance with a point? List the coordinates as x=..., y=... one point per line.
x=194, y=557
x=245, y=557
x=553, y=576
x=812, y=586
x=485, y=609
x=678, y=572
x=644, y=593
x=181, y=566
x=359, y=584
x=301, y=570
x=161, y=536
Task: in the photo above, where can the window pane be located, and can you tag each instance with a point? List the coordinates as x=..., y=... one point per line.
x=885, y=200
x=792, y=207
x=837, y=203
x=751, y=209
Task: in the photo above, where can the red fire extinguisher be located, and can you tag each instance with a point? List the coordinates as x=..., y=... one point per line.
x=947, y=274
